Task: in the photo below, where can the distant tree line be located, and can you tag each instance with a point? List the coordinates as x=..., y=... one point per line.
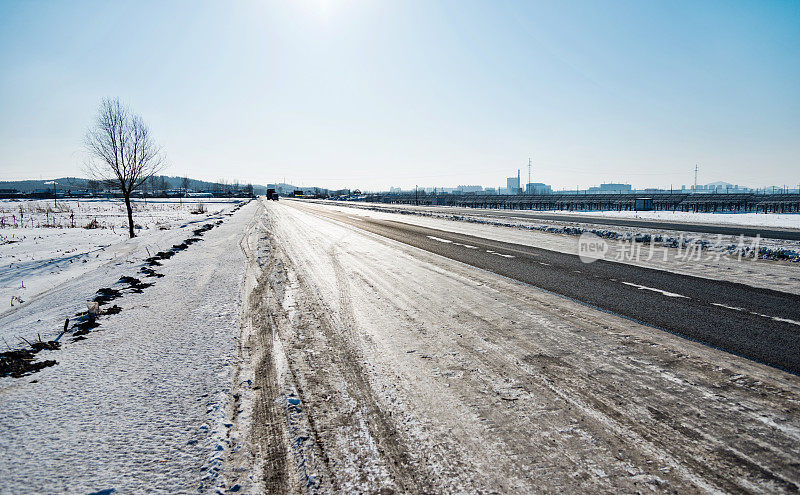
x=156, y=185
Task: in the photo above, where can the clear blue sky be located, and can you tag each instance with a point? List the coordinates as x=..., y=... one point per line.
x=374, y=94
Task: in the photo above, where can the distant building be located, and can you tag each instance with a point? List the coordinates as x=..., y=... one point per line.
x=723, y=187
x=512, y=184
x=537, y=188
x=611, y=188
x=490, y=190
x=469, y=189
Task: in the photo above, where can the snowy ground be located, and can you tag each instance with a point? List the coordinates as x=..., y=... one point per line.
x=141, y=403
x=290, y=353
x=109, y=213
x=40, y=248
x=783, y=220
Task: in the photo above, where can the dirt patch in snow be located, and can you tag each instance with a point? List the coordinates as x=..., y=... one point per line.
x=22, y=362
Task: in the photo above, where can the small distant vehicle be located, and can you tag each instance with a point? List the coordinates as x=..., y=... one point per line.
x=272, y=195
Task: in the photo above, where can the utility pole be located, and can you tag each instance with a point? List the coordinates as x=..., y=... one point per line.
x=55, y=191
x=416, y=196
x=696, y=168
x=529, y=175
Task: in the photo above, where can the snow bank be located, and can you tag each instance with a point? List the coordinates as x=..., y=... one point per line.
x=780, y=220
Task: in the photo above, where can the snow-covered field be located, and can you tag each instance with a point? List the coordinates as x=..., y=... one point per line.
x=142, y=402
x=108, y=213
x=42, y=245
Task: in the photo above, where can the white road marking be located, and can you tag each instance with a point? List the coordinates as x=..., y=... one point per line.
x=644, y=287
x=499, y=254
x=774, y=318
x=728, y=307
x=356, y=218
x=784, y=320
x=446, y=241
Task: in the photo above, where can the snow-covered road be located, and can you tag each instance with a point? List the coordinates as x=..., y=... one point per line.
x=784, y=276
x=416, y=373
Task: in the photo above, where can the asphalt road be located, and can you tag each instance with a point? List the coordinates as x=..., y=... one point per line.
x=648, y=225
x=760, y=324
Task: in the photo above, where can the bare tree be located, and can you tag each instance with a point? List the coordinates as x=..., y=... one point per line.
x=93, y=186
x=162, y=185
x=151, y=184
x=122, y=151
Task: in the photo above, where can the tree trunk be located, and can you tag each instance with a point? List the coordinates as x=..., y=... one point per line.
x=130, y=214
